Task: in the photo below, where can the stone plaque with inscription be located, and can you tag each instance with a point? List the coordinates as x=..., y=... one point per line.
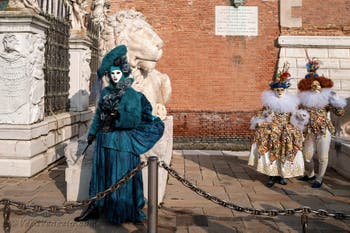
x=241, y=21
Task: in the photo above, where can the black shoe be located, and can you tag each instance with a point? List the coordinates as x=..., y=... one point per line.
x=90, y=213
x=316, y=185
x=271, y=182
x=306, y=178
x=282, y=181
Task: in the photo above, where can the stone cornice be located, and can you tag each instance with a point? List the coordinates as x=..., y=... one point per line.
x=21, y=21
x=314, y=41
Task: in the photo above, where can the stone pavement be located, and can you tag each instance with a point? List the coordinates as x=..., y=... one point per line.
x=224, y=174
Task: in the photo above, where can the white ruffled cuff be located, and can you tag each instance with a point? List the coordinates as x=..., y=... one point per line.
x=300, y=119
x=338, y=102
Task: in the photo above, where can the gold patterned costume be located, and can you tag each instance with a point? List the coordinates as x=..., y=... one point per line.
x=317, y=97
x=277, y=146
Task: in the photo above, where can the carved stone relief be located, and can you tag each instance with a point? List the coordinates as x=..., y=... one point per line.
x=77, y=13
x=86, y=71
x=99, y=12
x=13, y=78
x=100, y=15
x=22, y=78
x=24, y=4
x=37, y=90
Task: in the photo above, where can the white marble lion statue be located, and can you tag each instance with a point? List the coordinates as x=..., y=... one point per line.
x=144, y=51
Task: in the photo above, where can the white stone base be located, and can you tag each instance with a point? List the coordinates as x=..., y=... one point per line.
x=339, y=158
x=27, y=149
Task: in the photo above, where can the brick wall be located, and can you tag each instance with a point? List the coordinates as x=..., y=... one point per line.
x=326, y=17
x=217, y=81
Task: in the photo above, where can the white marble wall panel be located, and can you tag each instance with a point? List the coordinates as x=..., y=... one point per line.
x=333, y=51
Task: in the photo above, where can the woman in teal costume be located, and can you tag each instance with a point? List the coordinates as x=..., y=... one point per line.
x=124, y=128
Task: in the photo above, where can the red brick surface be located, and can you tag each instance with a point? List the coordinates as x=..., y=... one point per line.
x=217, y=80
x=326, y=18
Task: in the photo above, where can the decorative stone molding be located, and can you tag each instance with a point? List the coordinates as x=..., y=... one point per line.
x=314, y=41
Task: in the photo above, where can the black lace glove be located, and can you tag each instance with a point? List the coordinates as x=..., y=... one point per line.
x=90, y=138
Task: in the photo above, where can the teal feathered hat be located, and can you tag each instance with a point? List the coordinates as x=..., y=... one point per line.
x=110, y=58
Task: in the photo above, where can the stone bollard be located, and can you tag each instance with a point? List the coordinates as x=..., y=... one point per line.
x=78, y=172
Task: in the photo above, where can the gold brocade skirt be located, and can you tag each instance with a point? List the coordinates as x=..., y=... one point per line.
x=281, y=141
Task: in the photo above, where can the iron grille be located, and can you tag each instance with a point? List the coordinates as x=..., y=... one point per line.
x=57, y=66
x=93, y=32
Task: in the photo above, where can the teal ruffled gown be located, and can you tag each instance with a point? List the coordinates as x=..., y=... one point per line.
x=117, y=151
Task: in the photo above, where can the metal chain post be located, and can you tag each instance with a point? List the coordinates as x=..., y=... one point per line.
x=7, y=211
x=152, y=194
x=304, y=222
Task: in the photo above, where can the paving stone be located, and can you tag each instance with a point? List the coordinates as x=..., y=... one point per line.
x=260, y=224
x=240, y=199
x=267, y=205
x=191, y=220
x=181, y=229
x=308, y=200
x=218, y=211
x=196, y=229
x=221, y=173
x=290, y=224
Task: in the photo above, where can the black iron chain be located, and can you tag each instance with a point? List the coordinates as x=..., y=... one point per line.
x=305, y=210
x=66, y=208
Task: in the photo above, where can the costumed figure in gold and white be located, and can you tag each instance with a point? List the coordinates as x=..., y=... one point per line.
x=278, y=138
x=317, y=97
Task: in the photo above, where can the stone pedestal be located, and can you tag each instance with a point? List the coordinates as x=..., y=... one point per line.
x=28, y=143
x=78, y=173
x=79, y=72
